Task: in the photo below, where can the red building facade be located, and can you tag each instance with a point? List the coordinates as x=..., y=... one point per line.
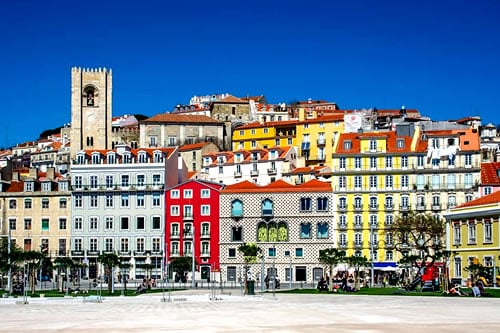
x=192, y=218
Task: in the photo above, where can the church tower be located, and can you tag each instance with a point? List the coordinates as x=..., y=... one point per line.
x=91, y=109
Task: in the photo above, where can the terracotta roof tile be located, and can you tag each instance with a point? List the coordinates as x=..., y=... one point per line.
x=489, y=173
x=180, y=118
x=278, y=186
x=485, y=200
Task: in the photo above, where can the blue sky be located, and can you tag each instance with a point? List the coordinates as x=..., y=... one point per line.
x=440, y=57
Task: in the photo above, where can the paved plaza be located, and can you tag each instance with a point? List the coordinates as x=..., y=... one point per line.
x=194, y=312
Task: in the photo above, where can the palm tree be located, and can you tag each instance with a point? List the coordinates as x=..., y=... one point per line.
x=109, y=261
x=331, y=257
x=250, y=253
x=357, y=263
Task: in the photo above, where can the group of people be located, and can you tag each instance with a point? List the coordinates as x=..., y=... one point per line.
x=146, y=284
x=344, y=285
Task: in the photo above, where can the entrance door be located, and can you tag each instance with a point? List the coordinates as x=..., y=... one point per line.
x=205, y=273
x=300, y=273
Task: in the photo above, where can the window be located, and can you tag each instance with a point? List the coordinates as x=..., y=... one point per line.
x=342, y=203
x=63, y=203
x=78, y=223
x=373, y=182
x=342, y=182
x=62, y=223
x=267, y=207
x=389, y=202
x=188, y=194
x=322, y=204
x=373, y=162
x=373, y=145
x=487, y=190
x=27, y=224
x=27, y=203
x=358, y=182
x=124, y=200
x=109, y=200
x=205, y=229
x=236, y=234
x=188, y=211
x=141, y=180
x=174, y=194
x=174, y=249
x=488, y=232
x=468, y=160
x=468, y=180
x=322, y=229
x=109, y=222
x=109, y=181
x=27, y=244
x=93, y=182
x=12, y=203
x=456, y=234
x=139, y=244
x=305, y=230
x=78, y=200
x=342, y=162
x=172, y=140
x=347, y=145
x=158, y=157
x=389, y=181
x=78, y=182
x=232, y=253
x=358, y=239
x=125, y=180
x=93, y=244
x=78, y=244
x=124, y=223
x=272, y=252
x=108, y=244
x=305, y=204
x=140, y=223
x=174, y=210
x=93, y=223
x=420, y=161
x=342, y=239
x=357, y=163
x=62, y=247
x=156, y=199
x=156, y=180
x=389, y=239
x=156, y=221
x=156, y=245
x=12, y=224
x=405, y=181
x=45, y=203
x=458, y=266
x=400, y=143
x=124, y=245
x=472, y=232
x=404, y=162
x=93, y=201
x=388, y=162
x=140, y=199
x=205, y=210
x=45, y=224
x=299, y=252
x=205, y=193
x=389, y=219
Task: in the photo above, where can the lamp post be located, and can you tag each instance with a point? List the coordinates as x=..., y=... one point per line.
x=262, y=278
x=190, y=229
x=9, y=276
x=372, y=257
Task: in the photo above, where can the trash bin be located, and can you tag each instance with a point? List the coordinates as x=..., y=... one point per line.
x=250, y=287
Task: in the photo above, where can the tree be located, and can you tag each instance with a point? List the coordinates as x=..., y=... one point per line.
x=124, y=267
x=419, y=238
x=331, y=257
x=32, y=260
x=357, y=263
x=250, y=253
x=63, y=263
x=109, y=261
x=180, y=265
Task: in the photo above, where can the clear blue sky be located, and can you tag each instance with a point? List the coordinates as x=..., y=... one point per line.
x=440, y=57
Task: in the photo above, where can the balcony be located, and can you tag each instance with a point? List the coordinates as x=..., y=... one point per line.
x=357, y=208
x=436, y=207
x=124, y=253
x=404, y=208
x=342, y=208
x=254, y=173
x=342, y=226
x=140, y=253
x=174, y=254
x=358, y=226
x=374, y=245
x=389, y=245
x=187, y=217
x=205, y=254
x=271, y=171
x=77, y=253
x=420, y=207
x=156, y=252
x=343, y=245
x=188, y=235
x=205, y=235
x=373, y=208
x=389, y=207
x=237, y=174
x=358, y=245
x=91, y=253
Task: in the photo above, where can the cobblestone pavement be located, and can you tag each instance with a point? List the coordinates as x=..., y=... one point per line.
x=195, y=312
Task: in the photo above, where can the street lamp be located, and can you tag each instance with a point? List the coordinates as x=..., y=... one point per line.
x=372, y=257
x=190, y=229
x=289, y=255
x=9, y=277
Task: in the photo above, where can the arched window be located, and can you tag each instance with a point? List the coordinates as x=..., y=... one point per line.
x=322, y=204
x=96, y=158
x=267, y=207
x=157, y=157
x=322, y=230
x=282, y=232
x=89, y=95
x=142, y=157
x=273, y=232
x=237, y=208
x=305, y=230
x=262, y=232
x=80, y=158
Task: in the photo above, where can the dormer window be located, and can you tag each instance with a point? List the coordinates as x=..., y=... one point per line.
x=29, y=186
x=347, y=145
x=80, y=158
x=400, y=143
x=96, y=158
x=142, y=157
x=158, y=157
x=111, y=158
x=46, y=186
x=126, y=158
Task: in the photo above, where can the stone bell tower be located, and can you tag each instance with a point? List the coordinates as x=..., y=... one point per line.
x=91, y=109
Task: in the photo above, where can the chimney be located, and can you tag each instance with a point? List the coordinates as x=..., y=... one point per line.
x=51, y=172
x=33, y=173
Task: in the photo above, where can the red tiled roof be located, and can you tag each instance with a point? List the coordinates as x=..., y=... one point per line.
x=489, y=175
x=16, y=186
x=485, y=200
x=180, y=118
x=232, y=99
x=193, y=146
